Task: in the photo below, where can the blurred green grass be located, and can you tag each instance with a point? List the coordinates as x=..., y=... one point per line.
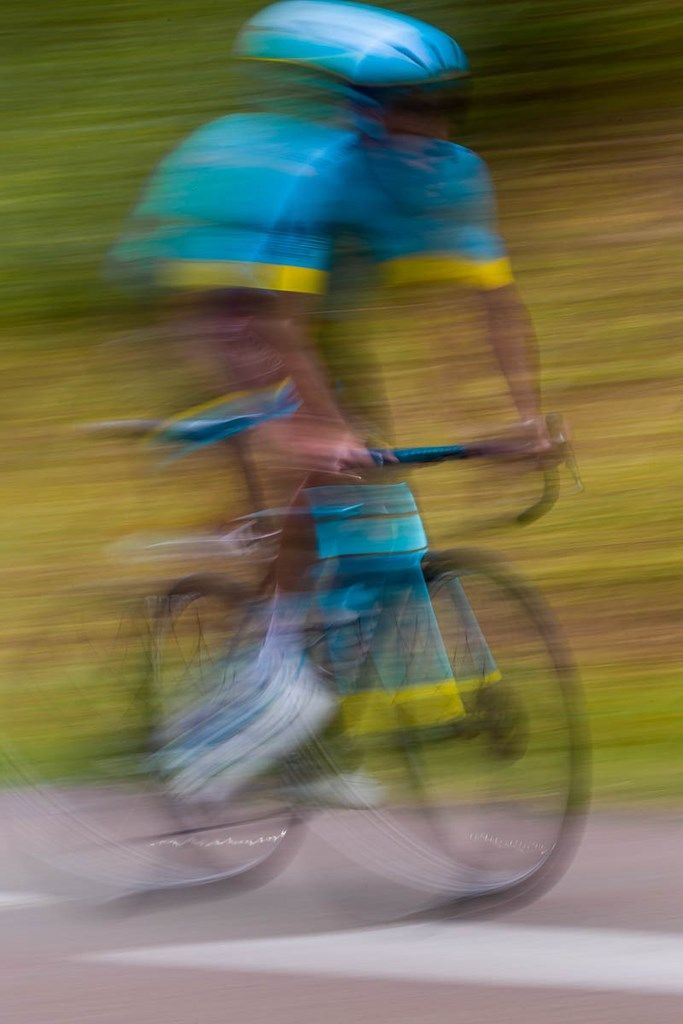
x=577, y=111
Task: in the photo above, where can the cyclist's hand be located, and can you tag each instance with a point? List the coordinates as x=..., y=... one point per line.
x=544, y=441
x=535, y=440
x=531, y=441
x=311, y=444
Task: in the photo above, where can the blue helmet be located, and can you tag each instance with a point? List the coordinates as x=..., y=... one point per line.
x=367, y=48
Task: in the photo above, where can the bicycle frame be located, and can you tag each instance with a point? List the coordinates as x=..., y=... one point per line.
x=371, y=541
x=216, y=429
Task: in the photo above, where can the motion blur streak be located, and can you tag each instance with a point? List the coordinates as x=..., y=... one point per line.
x=576, y=109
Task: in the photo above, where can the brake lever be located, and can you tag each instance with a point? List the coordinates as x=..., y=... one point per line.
x=559, y=435
x=563, y=454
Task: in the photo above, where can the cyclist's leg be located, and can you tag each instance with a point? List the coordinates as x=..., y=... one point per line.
x=224, y=342
x=276, y=703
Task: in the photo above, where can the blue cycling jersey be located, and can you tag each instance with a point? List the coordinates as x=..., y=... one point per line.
x=257, y=200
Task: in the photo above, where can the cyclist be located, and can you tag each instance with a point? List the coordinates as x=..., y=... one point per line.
x=243, y=217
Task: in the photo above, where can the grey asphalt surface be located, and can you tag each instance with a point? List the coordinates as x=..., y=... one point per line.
x=626, y=876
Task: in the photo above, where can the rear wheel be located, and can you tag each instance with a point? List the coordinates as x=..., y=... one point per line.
x=105, y=821
x=206, y=629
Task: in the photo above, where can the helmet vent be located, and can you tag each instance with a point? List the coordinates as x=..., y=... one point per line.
x=410, y=55
x=438, y=55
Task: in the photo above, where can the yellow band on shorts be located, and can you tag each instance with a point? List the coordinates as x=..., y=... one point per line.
x=371, y=712
x=434, y=268
x=237, y=274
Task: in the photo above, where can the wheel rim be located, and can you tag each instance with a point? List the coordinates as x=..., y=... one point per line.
x=202, y=639
x=483, y=805
x=109, y=821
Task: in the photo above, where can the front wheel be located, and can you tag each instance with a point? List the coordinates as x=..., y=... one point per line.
x=484, y=788
x=506, y=784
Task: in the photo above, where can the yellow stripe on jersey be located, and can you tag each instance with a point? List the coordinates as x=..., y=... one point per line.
x=434, y=267
x=237, y=274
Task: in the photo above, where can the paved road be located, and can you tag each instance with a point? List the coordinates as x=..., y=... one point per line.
x=606, y=945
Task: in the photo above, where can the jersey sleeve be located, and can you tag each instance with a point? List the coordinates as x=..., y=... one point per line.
x=444, y=229
x=244, y=203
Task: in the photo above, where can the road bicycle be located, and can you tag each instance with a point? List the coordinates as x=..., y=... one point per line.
x=483, y=774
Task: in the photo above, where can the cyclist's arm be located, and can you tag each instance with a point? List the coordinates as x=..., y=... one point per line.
x=458, y=242
x=513, y=341
x=243, y=248
x=507, y=323
x=290, y=334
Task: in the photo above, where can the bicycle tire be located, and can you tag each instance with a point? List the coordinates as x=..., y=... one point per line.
x=406, y=839
x=112, y=830
x=468, y=566
x=182, y=595
x=72, y=818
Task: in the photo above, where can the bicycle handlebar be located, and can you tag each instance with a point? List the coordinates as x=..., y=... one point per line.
x=420, y=456
x=560, y=453
x=456, y=452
